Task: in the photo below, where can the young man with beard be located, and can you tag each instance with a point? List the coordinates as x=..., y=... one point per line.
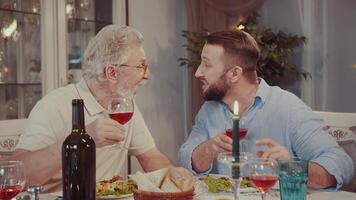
x=114, y=65
x=274, y=118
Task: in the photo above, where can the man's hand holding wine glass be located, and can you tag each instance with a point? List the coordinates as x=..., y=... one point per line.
x=106, y=131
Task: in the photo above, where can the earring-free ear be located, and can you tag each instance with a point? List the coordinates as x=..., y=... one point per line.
x=236, y=73
x=111, y=74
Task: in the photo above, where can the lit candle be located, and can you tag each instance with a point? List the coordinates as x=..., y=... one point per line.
x=235, y=133
x=235, y=168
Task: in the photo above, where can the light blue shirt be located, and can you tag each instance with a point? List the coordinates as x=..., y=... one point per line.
x=276, y=114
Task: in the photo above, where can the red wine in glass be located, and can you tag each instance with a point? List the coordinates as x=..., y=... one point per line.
x=122, y=118
x=263, y=182
x=121, y=110
x=243, y=133
x=7, y=192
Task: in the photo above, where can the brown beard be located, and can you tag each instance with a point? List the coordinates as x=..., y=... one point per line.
x=217, y=90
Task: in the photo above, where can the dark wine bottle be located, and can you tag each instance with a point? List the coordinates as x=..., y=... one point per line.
x=78, y=159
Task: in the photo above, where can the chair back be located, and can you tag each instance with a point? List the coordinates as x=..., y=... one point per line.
x=10, y=131
x=342, y=127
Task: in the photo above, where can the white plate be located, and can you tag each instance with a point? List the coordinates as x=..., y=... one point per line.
x=114, y=197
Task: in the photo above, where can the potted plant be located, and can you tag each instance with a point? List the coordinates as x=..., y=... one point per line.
x=276, y=50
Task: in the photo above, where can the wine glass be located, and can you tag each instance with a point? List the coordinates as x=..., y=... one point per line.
x=12, y=179
x=263, y=174
x=121, y=109
x=242, y=132
x=234, y=165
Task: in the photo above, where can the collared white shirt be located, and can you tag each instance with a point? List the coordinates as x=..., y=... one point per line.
x=51, y=120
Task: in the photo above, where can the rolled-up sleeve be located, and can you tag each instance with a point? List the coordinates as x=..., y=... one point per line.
x=198, y=135
x=312, y=142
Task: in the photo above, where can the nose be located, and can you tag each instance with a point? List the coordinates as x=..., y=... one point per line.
x=147, y=74
x=198, y=73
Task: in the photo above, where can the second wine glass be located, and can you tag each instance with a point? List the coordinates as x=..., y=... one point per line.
x=263, y=174
x=12, y=179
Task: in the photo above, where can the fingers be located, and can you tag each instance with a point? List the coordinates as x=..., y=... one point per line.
x=114, y=136
x=114, y=124
x=268, y=142
x=276, y=152
x=106, y=132
x=224, y=143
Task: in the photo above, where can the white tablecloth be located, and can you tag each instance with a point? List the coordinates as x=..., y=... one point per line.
x=315, y=195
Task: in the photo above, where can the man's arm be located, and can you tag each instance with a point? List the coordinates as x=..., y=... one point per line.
x=153, y=159
x=40, y=165
x=204, y=154
x=330, y=165
x=319, y=178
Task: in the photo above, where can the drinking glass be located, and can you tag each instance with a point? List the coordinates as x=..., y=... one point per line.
x=242, y=132
x=12, y=179
x=121, y=110
x=263, y=174
x=293, y=177
x=237, y=168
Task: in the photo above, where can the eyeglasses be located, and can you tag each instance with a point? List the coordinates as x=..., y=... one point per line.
x=143, y=67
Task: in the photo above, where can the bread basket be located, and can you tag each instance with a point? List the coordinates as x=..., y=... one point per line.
x=144, y=195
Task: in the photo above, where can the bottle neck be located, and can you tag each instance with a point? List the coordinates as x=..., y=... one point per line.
x=78, y=117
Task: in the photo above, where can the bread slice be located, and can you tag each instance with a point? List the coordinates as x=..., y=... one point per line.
x=143, y=183
x=169, y=185
x=186, y=184
x=157, y=177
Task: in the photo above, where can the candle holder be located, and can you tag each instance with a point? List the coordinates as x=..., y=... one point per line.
x=238, y=168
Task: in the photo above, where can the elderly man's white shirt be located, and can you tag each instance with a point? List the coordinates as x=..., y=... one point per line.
x=51, y=120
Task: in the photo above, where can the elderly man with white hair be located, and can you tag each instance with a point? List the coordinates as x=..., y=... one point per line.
x=114, y=64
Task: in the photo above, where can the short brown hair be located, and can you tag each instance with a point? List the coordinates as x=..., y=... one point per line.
x=240, y=48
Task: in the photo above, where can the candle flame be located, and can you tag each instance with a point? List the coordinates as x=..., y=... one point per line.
x=241, y=27
x=236, y=108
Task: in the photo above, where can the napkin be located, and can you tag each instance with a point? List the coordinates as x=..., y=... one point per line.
x=160, y=181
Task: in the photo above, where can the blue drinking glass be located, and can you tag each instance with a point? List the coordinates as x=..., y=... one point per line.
x=293, y=177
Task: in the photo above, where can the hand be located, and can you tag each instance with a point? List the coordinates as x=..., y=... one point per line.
x=106, y=132
x=179, y=173
x=218, y=144
x=274, y=151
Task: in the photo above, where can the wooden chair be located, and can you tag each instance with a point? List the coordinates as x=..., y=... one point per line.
x=10, y=131
x=342, y=126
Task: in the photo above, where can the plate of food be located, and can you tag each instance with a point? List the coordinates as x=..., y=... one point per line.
x=219, y=184
x=115, y=188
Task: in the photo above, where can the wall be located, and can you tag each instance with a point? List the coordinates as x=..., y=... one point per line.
x=162, y=99
x=329, y=52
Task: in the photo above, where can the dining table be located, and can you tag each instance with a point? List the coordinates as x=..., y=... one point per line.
x=314, y=195
x=201, y=193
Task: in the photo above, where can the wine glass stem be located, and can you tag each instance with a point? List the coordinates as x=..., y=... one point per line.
x=237, y=188
x=263, y=195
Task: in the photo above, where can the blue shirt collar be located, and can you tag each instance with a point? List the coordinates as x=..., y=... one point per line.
x=261, y=96
x=262, y=92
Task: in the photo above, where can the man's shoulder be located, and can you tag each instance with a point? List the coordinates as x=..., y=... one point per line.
x=62, y=92
x=284, y=96
x=57, y=98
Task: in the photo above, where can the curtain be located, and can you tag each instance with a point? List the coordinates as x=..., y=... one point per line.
x=313, y=23
x=328, y=55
